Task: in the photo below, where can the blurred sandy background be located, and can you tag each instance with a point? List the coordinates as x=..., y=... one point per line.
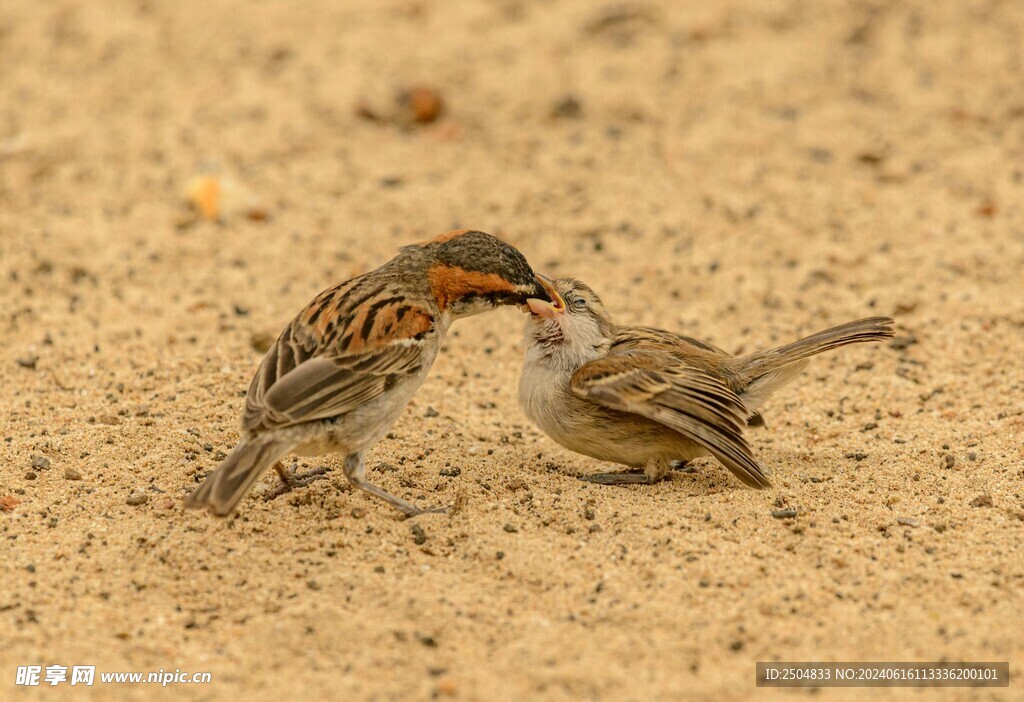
x=744, y=171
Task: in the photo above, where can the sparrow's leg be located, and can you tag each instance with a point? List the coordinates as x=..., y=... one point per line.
x=355, y=471
x=291, y=479
x=653, y=472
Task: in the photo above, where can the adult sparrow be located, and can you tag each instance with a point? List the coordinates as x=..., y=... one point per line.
x=648, y=398
x=344, y=368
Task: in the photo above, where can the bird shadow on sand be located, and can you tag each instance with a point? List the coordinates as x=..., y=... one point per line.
x=700, y=476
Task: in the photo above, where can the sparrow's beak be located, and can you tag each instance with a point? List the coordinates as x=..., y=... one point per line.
x=551, y=307
x=540, y=289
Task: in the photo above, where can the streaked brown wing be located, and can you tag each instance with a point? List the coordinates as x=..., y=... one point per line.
x=657, y=385
x=321, y=388
x=684, y=350
x=350, y=345
x=629, y=337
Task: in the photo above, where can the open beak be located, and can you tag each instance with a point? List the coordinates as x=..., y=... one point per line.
x=551, y=308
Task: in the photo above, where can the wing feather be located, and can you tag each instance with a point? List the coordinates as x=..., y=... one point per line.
x=321, y=388
x=349, y=346
x=661, y=387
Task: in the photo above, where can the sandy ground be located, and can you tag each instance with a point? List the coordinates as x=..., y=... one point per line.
x=745, y=171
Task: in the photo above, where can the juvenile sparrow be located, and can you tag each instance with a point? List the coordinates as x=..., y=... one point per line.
x=342, y=371
x=648, y=398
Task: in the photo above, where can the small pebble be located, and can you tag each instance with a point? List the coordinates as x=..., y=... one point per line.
x=136, y=499
x=908, y=521
x=569, y=107
x=72, y=474
x=30, y=475
x=419, y=537
x=358, y=513
x=431, y=412
x=40, y=463
x=787, y=513
x=218, y=198
x=949, y=460
x=28, y=362
x=983, y=500
x=511, y=528
x=420, y=105
x=902, y=343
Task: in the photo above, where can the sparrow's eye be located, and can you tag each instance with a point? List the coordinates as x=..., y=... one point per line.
x=578, y=304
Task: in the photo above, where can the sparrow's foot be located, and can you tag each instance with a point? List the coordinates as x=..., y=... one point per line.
x=291, y=479
x=417, y=511
x=629, y=477
x=683, y=467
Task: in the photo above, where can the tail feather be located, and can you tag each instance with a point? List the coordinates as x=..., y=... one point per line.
x=234, y=477
x=764, y=372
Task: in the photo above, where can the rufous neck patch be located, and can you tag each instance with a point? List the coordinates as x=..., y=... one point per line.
x=451, y=283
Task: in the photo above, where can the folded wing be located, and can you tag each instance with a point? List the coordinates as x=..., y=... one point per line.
x=312, y=374
x=661, y=387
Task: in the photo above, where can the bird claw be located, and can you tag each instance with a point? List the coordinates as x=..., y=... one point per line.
x=290, y=480
x=417, y=511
